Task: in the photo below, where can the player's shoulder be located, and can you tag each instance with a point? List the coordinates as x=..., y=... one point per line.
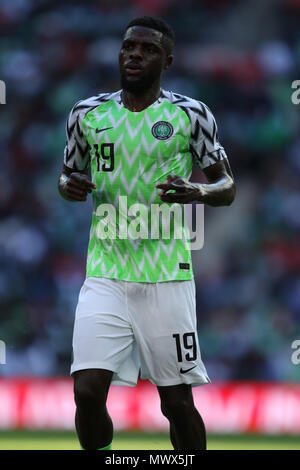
x=81, y=107
x=188, y=104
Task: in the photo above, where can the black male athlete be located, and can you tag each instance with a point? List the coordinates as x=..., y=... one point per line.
x=136, y=310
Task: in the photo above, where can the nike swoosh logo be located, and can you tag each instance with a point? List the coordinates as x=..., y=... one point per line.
x=184, y=371
x=101, y=130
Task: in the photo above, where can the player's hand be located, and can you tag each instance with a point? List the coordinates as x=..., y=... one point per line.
x=77, y=186
x=185, y=191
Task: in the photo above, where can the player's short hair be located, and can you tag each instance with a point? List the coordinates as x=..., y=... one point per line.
x=159, y=25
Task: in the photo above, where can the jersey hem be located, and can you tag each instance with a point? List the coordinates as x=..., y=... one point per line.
x=120, y=278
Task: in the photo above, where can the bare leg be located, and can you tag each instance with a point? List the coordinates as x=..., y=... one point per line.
x=187, y=430
x=92, y=421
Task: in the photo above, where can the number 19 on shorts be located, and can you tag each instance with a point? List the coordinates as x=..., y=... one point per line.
x=186, y=346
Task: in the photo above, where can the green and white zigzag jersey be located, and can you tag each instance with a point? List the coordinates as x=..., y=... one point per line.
x=128, y=154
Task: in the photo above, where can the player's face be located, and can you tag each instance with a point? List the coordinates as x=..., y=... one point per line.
x=142, y=58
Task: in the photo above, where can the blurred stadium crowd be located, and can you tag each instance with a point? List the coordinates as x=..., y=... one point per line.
x=240, y=58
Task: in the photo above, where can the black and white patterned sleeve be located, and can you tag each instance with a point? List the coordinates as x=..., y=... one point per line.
x=204, y=143
x=76, y=154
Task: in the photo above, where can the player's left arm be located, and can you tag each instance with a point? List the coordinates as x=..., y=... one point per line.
x=212, y=159
x=219, y=191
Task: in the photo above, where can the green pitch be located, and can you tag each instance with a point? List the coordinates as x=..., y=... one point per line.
x=44, y=440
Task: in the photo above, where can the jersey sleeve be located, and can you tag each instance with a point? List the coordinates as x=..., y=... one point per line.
x=204, y=142
x=76, y=154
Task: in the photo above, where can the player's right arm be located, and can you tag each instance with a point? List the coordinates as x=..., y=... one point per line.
x=74, y=185
x=74, y=182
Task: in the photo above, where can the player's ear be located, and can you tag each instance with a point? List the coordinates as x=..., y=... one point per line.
x=168, y=61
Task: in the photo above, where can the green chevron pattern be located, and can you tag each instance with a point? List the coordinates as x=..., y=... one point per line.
x=128, y=160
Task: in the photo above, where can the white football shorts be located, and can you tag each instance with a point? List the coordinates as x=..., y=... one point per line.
x=134, y=328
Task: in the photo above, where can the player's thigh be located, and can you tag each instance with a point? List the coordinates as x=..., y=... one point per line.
x=91, y=385
x=164, y=305
x=102, y=335
x=165, y=329
x=176, y=397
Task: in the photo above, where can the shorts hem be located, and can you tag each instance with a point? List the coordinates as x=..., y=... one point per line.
x=167, y=383
x=117, y=380
x=93, y=365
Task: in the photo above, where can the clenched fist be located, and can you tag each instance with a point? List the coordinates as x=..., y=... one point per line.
x=184, y=190
x=75, y=186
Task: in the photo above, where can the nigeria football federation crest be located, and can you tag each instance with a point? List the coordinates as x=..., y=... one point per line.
x=162, y=130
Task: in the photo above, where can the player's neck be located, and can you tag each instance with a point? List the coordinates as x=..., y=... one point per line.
x=137, y=102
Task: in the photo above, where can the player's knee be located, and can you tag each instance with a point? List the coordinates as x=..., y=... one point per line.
x=89, y=392
x=176, y=408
